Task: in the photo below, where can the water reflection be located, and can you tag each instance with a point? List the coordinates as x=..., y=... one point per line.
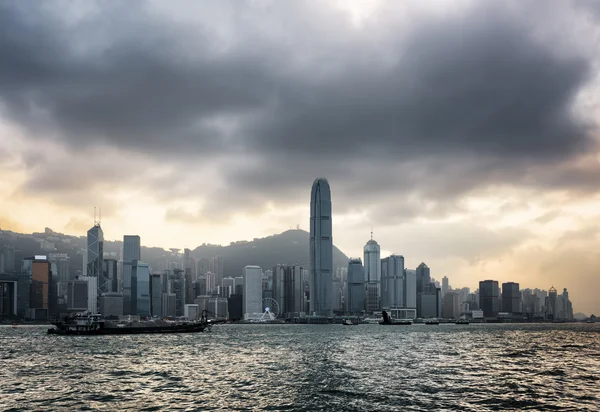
x=307, y=367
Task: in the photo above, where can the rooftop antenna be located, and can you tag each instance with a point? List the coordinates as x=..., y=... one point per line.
x=371, y=232
x=99, y=215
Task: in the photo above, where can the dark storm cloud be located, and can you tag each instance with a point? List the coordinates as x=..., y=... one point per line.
x=439, y=107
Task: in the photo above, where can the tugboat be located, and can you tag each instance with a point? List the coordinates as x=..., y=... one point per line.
x=93, y=324
x=387, y=321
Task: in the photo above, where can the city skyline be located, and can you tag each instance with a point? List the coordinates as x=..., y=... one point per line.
x=407, y=109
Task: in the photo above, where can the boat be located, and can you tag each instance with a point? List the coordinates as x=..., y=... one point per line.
x=348, y=322
x=462, y=321
x=94, y=324
x=432, y=321
x=387, y=321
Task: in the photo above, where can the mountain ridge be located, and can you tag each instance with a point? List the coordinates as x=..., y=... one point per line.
x=289, y=247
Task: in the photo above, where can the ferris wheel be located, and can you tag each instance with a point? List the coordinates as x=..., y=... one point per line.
x=270, y=309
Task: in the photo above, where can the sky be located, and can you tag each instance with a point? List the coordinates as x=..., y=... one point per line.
x=464, y=134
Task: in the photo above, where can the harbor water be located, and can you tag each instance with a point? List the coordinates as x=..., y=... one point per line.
x=477, y=367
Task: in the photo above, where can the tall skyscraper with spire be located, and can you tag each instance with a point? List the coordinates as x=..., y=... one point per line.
x=97, y=283
x=321, y=249
x=372, y=254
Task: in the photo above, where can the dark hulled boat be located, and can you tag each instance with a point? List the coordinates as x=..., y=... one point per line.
x=95, y=325
x=387, y=321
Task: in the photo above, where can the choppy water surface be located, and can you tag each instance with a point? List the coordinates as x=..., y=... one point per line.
x=306, y=367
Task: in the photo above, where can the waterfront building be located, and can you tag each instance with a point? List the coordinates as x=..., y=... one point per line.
x=92, y=292
x=279, y=287
x=392, y=282
x=131, y=253
x=77, y=295
x=430, y=305
x=95, y=253
x=567, y=307
x=9, y=287
x=252, y=296
x=235, y=306
x=202, y=302
x=488, y=297
x=169, y=305
x=141, y=273
x=111, y=304
x=355, y=303
x=372, y=303
x=218, y=307
x=423, y=277
x=372, y=265
x=511, y=298
x=191, y=311
x=321, y=249
x=156, y=292
x=176, y=285
x=39, y=300
x=372, y=262
x=452, y=307
x=111, y=274
x=293, y=291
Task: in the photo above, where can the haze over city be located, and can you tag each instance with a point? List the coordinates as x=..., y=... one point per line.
x=463, y=134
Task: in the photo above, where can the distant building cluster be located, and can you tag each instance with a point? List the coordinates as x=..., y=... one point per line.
x=45, y=286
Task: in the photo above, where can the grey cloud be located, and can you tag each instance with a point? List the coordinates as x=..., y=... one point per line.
x=437, y=108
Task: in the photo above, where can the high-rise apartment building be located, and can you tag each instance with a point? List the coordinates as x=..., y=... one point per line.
x=321, y=249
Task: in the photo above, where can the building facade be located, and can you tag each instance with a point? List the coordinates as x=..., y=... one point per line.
x=252, y=296
x=355, y=301
x=511, y=298
x=321, y=249
x=489, y=293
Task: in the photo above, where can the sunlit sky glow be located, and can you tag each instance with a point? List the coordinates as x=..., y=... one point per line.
x=464, y=133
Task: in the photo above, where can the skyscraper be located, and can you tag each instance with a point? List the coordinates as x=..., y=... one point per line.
x=39, y=301
x=95, y=266
x=356, y=287
x=141, y=274
x=393, y=287
x=131, y=253
x=321, y=249
x=445, y=285
x=252, y=296
x=372, y=253
x=488, y=297
x=372, y=275
x=511, y=298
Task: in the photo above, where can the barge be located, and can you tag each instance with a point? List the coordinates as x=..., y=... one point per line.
x=94, y=324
